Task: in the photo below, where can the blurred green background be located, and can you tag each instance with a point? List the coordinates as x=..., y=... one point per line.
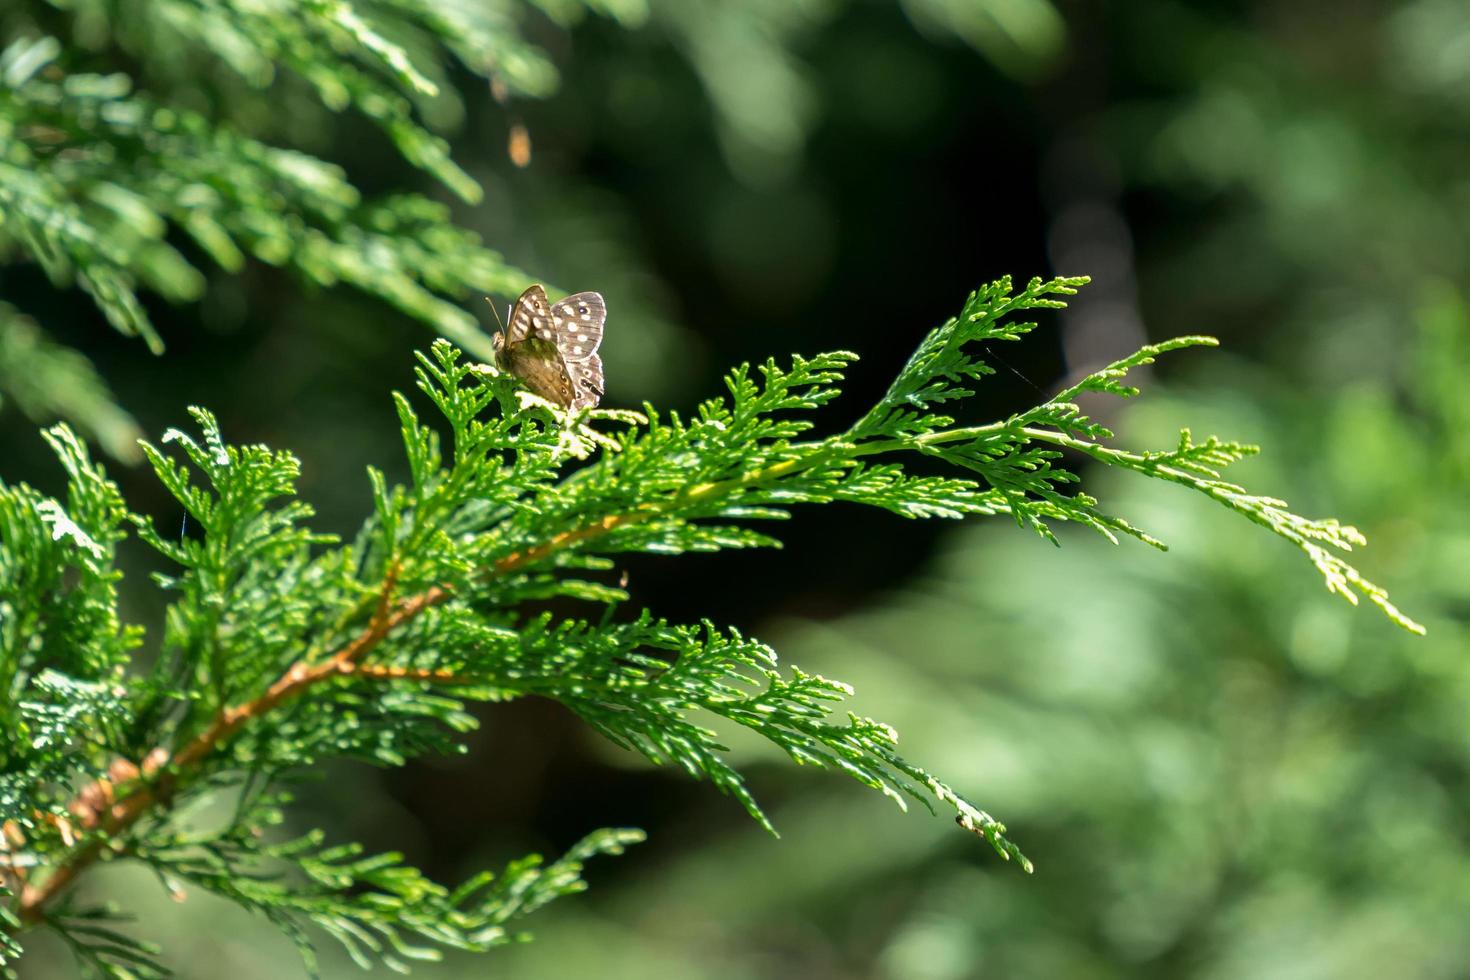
x=1219, y=769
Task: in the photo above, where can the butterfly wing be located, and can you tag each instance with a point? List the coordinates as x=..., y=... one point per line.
x=539, y=366
x=586, y=380
x=577, y=323
x=530, y=317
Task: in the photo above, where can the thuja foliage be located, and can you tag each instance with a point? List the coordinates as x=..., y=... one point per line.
x=150, y=147
x=283, y=648
x=95, y=176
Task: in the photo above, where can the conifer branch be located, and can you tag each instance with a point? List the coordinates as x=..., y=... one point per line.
x=295, y=681
x=426, y=610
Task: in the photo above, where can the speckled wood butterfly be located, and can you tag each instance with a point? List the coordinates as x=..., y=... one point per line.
x=552, y=347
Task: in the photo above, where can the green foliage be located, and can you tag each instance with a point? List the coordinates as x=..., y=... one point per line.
x=282, y=648
x=63, y=651
x=96, y=169
x=376, y=907
x=121, y=181
x=47, y=380
x=94, y=177
x=141, y=149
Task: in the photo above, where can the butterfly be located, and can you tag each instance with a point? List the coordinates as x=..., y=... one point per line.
x=552, y=347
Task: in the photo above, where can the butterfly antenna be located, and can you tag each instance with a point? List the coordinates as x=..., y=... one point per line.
x=491, y=301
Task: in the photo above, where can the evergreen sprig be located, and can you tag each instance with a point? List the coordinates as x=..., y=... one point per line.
x=121, y=182
x=95, y=169
x=375, y=906
x=94, y=176
x=283, y=647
